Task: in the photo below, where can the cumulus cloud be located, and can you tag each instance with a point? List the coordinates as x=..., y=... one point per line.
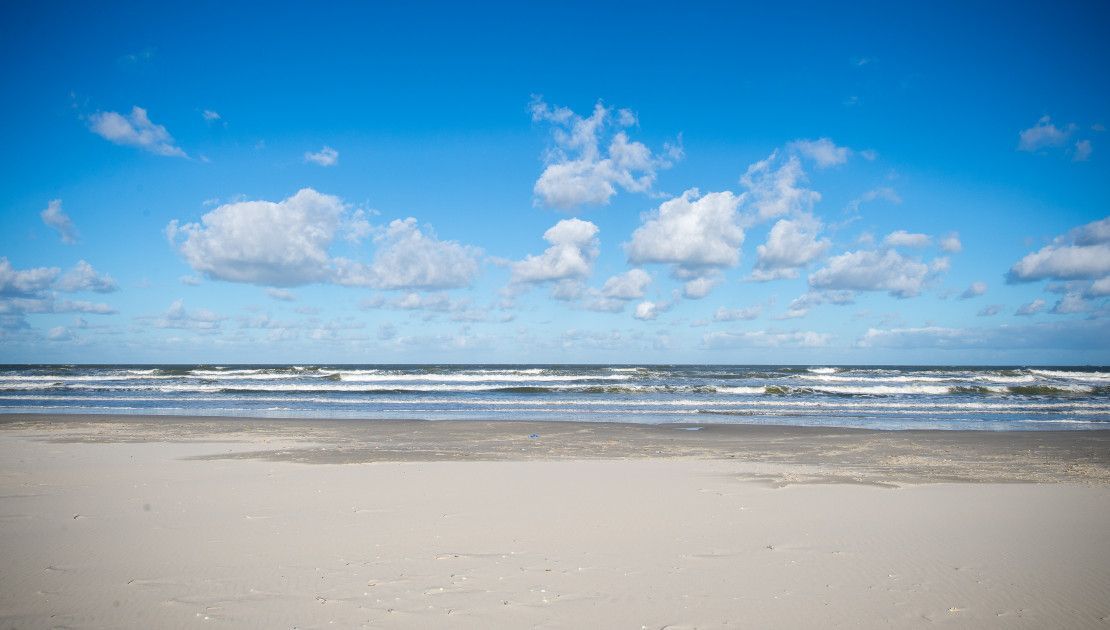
x=648, y=309
x=177, y=316
x=326, y=156
x=902, y=238
x=951, y=243
x=1032, y=308
x=56, y=218
x=25, y=282
x=700, y=286
x=1099, y=288
x=574, y=247
x=410, y=258
x=990, y=310
x=800, y=306
x=1071, y=303
x=287, y=243
x=136, y=130
x=791, y=244
x=822, y=151
x=1083, y=150
x=723, y=314
x=629, y=285
x=1081, y=254
x=974, y=290
x=84, y=278
x=34, y=291
x=696, y=234
x=282, y=243
x=283, y=295
x=774, y=187
x=1043, y=134
x=869, y=270
x=581, y=169
x=765, y=339
x=884, y=193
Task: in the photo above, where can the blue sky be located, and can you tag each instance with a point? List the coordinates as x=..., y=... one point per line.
x=571, y=183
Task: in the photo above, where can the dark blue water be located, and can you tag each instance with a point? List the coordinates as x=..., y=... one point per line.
x=874, y=397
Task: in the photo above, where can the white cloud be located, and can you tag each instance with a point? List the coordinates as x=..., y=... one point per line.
x=1083, y=150
x=1032, y=308
x=974, y=290
x=648, y=309
x=409, y=258
x=1042, y=135
x=579, y=170
x=210, y=115
x=822, y=151
x=281, y=243
x=902, y=238
x=178, y=317
x=990, y=310
x=696, y=234
x=699, y=287
x=326, y=156
x=136, y=130
x=869, y=270
x=191, y=281
x=773, y=192
x=1071, y=303
x=574, y=247
x=723, y=314
x=951, y=243
x=1082, y=253
x=287, y=243
x=766, y=339
x=282, y=294
x=59, y=333
x=801, y=305
x=84, y=278
x=25, y=282
x=884, y=193
x=629, y=285
x=1099, y=288
x=56, y=218
x=791, y=244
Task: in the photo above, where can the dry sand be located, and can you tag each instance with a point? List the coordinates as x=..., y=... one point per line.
x=188, y=522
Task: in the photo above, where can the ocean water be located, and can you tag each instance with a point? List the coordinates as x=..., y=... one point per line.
x=883, y=397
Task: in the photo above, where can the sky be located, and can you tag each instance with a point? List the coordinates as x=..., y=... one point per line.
x=886, y=183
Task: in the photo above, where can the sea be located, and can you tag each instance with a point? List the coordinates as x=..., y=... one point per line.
x=876, y=397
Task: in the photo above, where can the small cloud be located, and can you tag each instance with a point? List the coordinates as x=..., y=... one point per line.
x=191, y=281
x=1043, y=135
x=991, y=310
x=1032, y=308
x=823, y=151
x=902, y=238
x=56, y=218
x=951, y=243
x=1083, y=150
x=975, y=290
x=326, y=156
x=210, y=115
x=136, y=130
x=282, y=294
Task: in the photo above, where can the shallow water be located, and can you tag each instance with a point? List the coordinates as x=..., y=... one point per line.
x=882, y=397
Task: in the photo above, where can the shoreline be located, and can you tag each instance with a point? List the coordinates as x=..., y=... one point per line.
x=884, y=457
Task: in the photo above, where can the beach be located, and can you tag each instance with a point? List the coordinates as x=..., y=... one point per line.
x=163, y=521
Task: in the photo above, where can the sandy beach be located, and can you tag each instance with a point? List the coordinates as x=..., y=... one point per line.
x=143, y=522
